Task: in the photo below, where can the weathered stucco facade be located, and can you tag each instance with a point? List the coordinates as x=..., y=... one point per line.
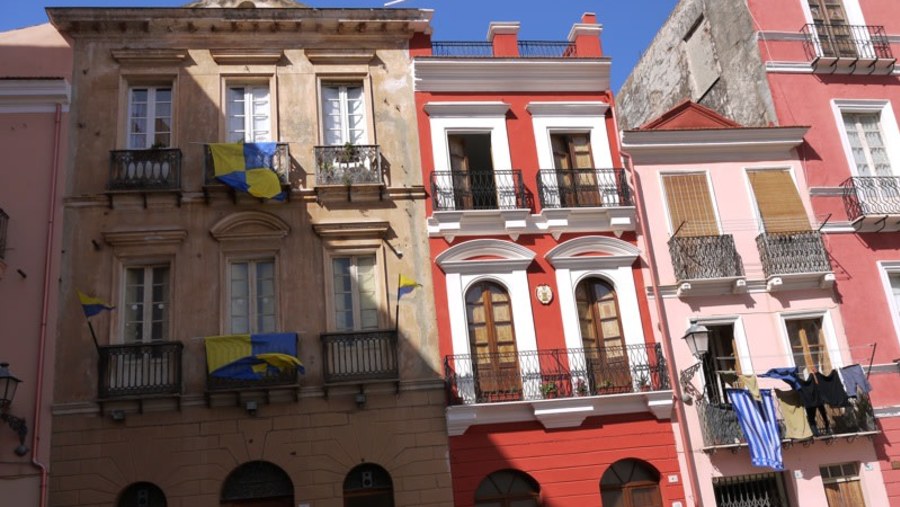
x=370, y=408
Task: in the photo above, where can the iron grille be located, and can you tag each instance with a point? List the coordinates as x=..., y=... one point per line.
x=281, y=163
x=871, y=195
x=784, y=253
x=140, y=369
x=580, y=188
x=704, y=257
x=865, y=42
x=477, y=190
x=462, y=49
x=153, y=169
x=757, y=490
x=546, y=49
x=350, y=164
x=360, y=356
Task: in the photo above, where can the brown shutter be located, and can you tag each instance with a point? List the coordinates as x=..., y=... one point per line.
x=778, y=201
x=690, y=205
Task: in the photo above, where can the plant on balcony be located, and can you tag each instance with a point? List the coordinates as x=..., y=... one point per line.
x=581, y=388
x=644, y=383
x=549, y=390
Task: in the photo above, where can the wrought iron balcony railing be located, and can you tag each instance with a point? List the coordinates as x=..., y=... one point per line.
x=4, y=224
x=527, y=49
x=281, y=162
x=153, y=169
x=478, y=190
x=871, y=195
x=465, y=49
x=140, y=369
x=583, y=188
x=705, y=257
x=786, y=253
x=546, y=49
x=857, y=42
x=720, y=426
x=554, y=373
x=360, y=356
x=348, y=165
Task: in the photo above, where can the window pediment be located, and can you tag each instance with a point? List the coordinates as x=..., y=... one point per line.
x=593, y=252
x=250, y=225
x=485, y=255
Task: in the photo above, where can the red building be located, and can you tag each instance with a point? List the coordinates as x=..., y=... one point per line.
x=558, y=390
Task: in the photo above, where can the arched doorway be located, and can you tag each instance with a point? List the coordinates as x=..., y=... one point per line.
x=602, y=336
x=630, y=483
x=142, y=494
x=508, y=488
x=257, y=484
x=492, y=342
x=368, y=485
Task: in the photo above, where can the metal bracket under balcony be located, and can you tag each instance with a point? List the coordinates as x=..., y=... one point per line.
x=584, y=200
x=359, y=358
x=282, y=167
x=144, y=172
x=478, y=202
x=794, y=260
x=139, y=371
x=848, y=49
x=707, y=265
x=873, y=203
x=349, y=172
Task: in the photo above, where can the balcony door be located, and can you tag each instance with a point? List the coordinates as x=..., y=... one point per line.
x=721, y=365
x=602, y=336
x=808, y=346
x=492, y=341
x=835, y=35
x=575, y=173
x=472, y=167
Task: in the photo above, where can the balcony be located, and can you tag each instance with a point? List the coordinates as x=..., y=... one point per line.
x=558, y=387
x=707, y=265
x=478, y=202
x=348, y=165
x=583, y=188
x=721, y=429
x=145, y=170
x=526, y=48
x=873, y=203
x=137, y=370
x=795, y=260
x=848, y=49
x=360, y=357
x=281, y=163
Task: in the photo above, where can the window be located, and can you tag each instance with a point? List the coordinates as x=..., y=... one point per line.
x=344, y=113
x=842, y=485
x=508, y=488
x=835, y=37
x=691, y=210
x=574, y=164
x=757, y=489
x=778, y=202
x=355, y=294
x=894, y=279
x=368, y=486
x=867, y=144
x=146, y=312
x=248, y=114
x=149, y=117
x=602, y=336
x=492, y=341
x=252, y=300
x=630, y=483
x=808, y=347
x=472, y=171
x=721, y=364
x=142, y=494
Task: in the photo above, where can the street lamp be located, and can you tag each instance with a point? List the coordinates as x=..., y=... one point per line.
x=697, y=338
x=8, y=385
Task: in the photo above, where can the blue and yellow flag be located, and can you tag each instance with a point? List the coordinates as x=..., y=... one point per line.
x=251, y=357
x=248, y=167
x=406, y=286
x=91, y=305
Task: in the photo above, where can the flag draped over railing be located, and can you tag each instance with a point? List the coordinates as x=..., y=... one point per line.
x=248, y=167
x=251, y=357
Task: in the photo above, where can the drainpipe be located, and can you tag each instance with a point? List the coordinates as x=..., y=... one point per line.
x=45, y=310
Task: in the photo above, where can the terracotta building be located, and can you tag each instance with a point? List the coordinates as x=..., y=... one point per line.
x=35, y=65
x=829, y=65
x=559, y=392
x=143, y=416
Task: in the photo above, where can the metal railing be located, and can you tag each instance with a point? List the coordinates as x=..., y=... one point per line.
x=527, y=49
x=547, y=49
x=554, y=373
x=348, y=164
x=865, y=42
x=281, y=163
x=360, y=356
x=705, y=257
x=139, y=369
x=720, y=426
x=871, y=195
x=583, y=188
x=153, y=169
x=785, y=253
x=466, y=49
x=478, y=190
x=4, y=225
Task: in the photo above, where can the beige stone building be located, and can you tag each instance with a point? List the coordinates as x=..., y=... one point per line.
x=138, y=420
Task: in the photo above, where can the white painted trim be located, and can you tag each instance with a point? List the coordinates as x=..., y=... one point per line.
x=885, y=269
x=567, y=109
x=831, y=342
x=511, y=75
x=889, y=128
x=34, y=95
x=564, y=254
x=773, y=35
x=570, y=117
x=827, y=191
x=458, y=259
x=483, y=109
x=502, y=28
x=742, y=140
x=851, y=8
x=590, y=29
x=789, y=67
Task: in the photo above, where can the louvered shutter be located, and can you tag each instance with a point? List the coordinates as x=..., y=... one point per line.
x=690, y=204
x=778, y=201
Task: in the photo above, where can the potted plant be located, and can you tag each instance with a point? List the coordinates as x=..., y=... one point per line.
x=548, y=390
x=644, y=383
x=581, y=388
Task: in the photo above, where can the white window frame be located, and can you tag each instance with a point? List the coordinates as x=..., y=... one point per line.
x=249, y=132
x=885, y=270
x=252, y=315
x=738, y=332
x=147, y=323
x=355, y=294
x=342, y=86
x=709, y=185
x=889, y=129
x=851, y=8
x=831, y=340
x=355, y=251
x=150, y=134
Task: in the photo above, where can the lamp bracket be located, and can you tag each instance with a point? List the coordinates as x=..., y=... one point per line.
x=17, y=424
x=685, y=379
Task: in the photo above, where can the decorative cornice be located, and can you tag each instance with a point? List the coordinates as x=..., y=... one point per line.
x=132, y=237
x=467, y=109
x=340, y=56
x=363, y=229
x=587, y=108
x=438, y=74
x=572, y=254
x=249, y=225
x=590, y=29
x=149, y=56
x=34, y=95
x=701, y=143
x=502, y=28
x=246, y=56
x=469, y=257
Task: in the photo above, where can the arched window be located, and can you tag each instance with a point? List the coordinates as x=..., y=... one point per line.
x=368, y=486
x=492, y=341
x=508, y=488
x=258, y=484
x=142, y=494
x=602, y=336
x=630, y=483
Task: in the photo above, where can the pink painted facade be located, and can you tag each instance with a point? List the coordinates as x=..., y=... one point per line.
x=35, y=68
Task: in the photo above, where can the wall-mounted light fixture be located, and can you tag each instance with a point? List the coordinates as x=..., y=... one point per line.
x=8, y=385
x=697, y=338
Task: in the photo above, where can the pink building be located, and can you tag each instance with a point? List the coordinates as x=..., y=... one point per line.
x=727, y=217
x=35, y=65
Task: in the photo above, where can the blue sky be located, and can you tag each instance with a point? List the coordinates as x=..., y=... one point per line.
x=628, y=26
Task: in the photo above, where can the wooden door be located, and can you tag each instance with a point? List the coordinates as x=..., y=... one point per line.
x=844, y=494
x=576, y=176
x=835, y=35
x=492, y=341
x=602, y=336
x=459, y=166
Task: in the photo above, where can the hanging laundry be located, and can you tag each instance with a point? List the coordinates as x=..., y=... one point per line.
x=760, y=427
x=855, y=380
x=787, y=374
x=749, y=383
x=793, y=413
x=831, y=389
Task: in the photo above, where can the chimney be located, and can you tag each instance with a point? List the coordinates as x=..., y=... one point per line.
x=586, y=36
x=504, y=37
